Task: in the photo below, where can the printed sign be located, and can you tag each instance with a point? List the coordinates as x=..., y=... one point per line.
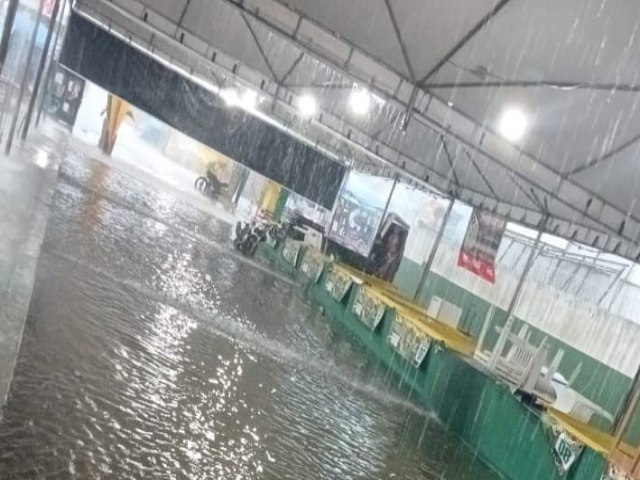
x=338, y=284
x=481, y=244
x=368, y=309
x=410, y=343
x=290, y=251
x=312, y=265
x=566, y=449
x=358, y=211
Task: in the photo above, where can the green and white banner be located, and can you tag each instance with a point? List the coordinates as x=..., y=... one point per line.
x=290, y=251
x=410, y=343
x=338, y=284
x=312, y=265
x=368, y=308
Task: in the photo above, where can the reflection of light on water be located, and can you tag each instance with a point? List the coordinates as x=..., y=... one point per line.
x=220, y=418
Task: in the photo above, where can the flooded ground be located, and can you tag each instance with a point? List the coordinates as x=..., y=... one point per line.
x=152, y=351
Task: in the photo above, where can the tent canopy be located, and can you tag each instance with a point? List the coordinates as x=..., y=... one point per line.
x=441, y=75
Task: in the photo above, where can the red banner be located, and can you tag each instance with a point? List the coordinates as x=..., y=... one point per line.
x=481, y=244
x=48, y=7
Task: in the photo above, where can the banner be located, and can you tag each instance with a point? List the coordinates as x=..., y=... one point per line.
x=368, y=308
x=312, y=265
x=290, y=251
x=565, y=448
x=338, y=284
x=358, y=211
x=481, y=244
x=410, y=343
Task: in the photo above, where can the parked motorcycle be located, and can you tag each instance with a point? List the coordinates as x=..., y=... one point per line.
x=248, y=236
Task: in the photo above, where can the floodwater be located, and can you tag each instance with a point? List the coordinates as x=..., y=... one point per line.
x=152, y=351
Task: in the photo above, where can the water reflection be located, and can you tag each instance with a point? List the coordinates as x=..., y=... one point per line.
x=152, y=353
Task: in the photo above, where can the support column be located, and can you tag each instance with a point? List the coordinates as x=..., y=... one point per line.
x=244, y=177
x=386, y=206
x=38, y=80
x=504, y=334
x=333, y=213
x=50, y=66
x=10, y=17
x=434, y=249
x=23, y=83
x=280, y=204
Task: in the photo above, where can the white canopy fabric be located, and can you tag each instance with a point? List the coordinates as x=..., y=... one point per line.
x=441, y=73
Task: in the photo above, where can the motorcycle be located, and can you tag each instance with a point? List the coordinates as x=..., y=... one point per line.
x=248, y=236
x=210, y=185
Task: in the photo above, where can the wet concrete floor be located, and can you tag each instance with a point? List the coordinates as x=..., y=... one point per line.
x=151, y=350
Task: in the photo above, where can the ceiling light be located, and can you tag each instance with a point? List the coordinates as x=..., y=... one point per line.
x=249, y=99
x=307, y=105
x=230, y=97
x=360, y=101
x=513, y=124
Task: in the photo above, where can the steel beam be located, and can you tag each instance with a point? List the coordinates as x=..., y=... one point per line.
x=603, y=158
x=260, y=49
x=480, y=172
x=322, y=56
x=464, y=40
x=472, y=196
x=561, y=85
x=403, y=46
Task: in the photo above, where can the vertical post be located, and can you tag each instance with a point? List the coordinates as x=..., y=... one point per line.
x=10, y=17
x=434, y=249
x=386, y=206
x=485, y=329
x=23, y=83
x=333, y=213
x=244, y=176
x=52, y=60
x=506, y=330
x=624, y=415
x=43, y=59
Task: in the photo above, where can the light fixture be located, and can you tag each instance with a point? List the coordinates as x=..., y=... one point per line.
x=307, y=105
x=230, y=96
x=249, y=99
x=360, y=101
x=513, y=124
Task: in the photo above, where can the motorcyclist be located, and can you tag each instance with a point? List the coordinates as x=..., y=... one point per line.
x=215, y=185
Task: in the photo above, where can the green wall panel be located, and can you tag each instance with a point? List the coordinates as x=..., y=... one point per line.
x=596, y=381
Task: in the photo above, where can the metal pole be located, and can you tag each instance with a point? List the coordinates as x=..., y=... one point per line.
x=386, y=207
x=333, y=213
x=629, y=404
x=9, y=18
x=434, y=250
x=504, y=334
x=52, y=60
x=43, y=58
x=485, y=328
x=25, y=81
x=244, y=176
